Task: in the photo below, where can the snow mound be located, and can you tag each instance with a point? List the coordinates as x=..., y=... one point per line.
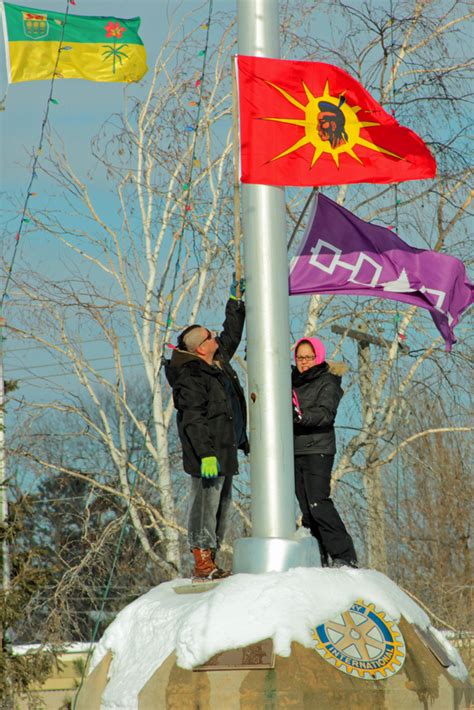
x=241, y=610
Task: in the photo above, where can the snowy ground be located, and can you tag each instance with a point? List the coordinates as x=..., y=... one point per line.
x=241, y=610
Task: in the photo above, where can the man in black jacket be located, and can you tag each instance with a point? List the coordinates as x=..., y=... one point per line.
x=211, y=422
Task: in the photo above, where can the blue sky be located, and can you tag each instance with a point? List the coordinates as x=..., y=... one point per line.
x=82, y=108
x=83, y=105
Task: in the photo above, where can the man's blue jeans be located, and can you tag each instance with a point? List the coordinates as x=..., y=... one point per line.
x=209, y=511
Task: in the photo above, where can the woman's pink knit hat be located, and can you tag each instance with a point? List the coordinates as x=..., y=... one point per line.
x=318, y=347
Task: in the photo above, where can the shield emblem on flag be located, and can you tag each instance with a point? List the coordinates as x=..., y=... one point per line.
x=35, y=25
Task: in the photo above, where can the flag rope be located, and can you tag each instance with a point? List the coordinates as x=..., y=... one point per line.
x=24, y=219
x=303, y=211
x=235, y=151
x=396, y=333
x=188, y=182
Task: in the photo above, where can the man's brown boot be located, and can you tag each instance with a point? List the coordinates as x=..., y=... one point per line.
x=205, y=568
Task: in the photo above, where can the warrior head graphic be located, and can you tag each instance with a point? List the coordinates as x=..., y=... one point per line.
x=331, y=123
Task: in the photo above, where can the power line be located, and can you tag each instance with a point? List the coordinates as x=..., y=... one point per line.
x=24, y=219
x=71, y=374
x=88, y=360
x=34, y=347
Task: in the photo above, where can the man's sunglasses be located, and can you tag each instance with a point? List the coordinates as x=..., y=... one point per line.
x=209, y=336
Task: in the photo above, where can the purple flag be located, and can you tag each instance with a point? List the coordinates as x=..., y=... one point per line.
x=343, y=254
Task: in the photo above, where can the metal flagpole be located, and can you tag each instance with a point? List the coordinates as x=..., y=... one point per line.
x=268, y=342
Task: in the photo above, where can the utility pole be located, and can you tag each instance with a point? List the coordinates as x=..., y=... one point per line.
x=376, y=540
x=376, y=547
x=268, y=341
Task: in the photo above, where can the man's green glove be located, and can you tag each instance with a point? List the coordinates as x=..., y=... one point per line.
x=209, y=467
x=233, y=288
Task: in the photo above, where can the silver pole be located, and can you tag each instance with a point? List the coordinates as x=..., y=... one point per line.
x=268, y=336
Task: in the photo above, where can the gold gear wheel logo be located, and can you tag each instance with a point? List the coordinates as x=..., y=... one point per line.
x=361, y=642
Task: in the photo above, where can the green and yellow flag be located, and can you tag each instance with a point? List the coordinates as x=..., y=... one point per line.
x=93, y=48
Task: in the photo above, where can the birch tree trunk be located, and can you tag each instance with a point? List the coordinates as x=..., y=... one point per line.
x=134, y=277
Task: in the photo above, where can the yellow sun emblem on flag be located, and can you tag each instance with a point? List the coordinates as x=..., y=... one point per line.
x=330, y=124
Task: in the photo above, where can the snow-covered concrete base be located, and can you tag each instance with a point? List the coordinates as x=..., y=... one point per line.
x=242, y=610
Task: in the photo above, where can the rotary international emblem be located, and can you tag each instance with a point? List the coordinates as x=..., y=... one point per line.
x=361, y=642
x=35, y=25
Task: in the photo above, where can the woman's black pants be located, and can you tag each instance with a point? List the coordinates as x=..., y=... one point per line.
x=313, y=490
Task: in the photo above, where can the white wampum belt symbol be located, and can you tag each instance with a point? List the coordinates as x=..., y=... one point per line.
x=400, y=285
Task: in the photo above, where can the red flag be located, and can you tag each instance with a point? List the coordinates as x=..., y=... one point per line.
x=309, y=123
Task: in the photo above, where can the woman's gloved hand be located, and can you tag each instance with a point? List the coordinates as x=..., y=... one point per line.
x=297, y=413
x=297, y=416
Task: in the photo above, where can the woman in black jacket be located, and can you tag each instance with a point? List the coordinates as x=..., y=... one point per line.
x=316, y=395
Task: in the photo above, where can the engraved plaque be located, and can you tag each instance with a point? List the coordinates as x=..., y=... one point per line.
x=435, y=646
x=254, y=657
